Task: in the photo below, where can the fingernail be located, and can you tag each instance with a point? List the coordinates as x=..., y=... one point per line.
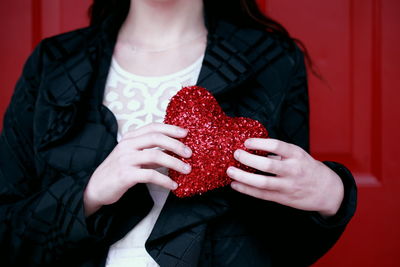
x=182, y=131
x=234, y=185
x=236, y=154
x=247, y=142
x=230, y=171
x=174, y=186
x=186, y=168
x=187, y=151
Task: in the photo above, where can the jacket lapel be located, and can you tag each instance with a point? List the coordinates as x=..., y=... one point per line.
x=80, y=61
x=224, y=66
x=62, y=90
x=178, y=214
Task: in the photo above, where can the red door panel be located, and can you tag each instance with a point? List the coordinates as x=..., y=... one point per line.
x=23, y=24
x=354, y=112
x=15, y=45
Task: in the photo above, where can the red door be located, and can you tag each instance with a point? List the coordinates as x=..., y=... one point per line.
x=23, y=23
x=354, y=115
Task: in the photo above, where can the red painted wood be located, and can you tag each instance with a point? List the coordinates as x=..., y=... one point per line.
x=23, y=24
x=354, y=115
x=356, y=120
x=262, y=5
x=61, y=15
x=15, y=45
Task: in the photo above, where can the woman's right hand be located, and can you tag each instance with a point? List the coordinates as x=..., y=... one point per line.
x=132, y=162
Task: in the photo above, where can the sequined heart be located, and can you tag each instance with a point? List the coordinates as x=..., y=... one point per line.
x=213, y=137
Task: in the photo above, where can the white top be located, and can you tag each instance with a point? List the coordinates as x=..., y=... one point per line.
x=136, y=101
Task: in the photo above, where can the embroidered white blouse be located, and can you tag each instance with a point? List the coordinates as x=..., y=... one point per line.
x=136, y=101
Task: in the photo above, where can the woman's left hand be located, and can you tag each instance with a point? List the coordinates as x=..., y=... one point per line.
x=301, y=181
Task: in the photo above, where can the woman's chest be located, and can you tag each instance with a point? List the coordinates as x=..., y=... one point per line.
x=137, y=100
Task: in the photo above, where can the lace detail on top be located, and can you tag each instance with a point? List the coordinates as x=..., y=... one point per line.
x=139, y=100
x=136, y=101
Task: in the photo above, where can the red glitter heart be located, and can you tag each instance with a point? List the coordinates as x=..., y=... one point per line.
x=213, y=138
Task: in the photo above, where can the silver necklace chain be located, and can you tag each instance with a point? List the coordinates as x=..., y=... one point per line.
x=136, y=49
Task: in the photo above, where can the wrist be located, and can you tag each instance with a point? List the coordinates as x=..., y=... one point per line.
x=90, y=205
x=333, y=197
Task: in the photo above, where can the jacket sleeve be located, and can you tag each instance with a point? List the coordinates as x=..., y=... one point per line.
x=39, y=222
x=307, y=235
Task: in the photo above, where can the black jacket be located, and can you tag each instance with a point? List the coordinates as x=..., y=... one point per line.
x=57, y=131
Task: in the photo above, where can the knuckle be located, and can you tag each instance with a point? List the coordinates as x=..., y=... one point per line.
x=264, y=184
x=142, y=174
x=152, y=175
x=266, y=166
x=299, y=153
x=154, y=126
x=122, y=159
x=296, y=169
x=151, y=154
x=275, y=145
x=291, y=187
x=152, y=136
x=151, y=125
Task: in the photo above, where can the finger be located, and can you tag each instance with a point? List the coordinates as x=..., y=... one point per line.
x=274, y=196
x=260, y=163
x=154, y=177
x=160, y=158
x=150, y=166
x=160, y=140
x=278, y=147
x=275, y=157
x=167, y=129
x=256, y=180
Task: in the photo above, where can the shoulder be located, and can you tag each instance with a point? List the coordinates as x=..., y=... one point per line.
x=263, y=49
x=48, y=51
x=270, y=48
x=275, y=61
x=63, y=45
x=58, y=62
x=59, y=48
